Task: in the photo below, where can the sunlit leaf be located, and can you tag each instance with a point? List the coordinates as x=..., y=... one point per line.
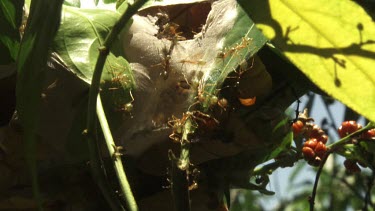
x=333, y=47
x=73, y=3
x=237, y=46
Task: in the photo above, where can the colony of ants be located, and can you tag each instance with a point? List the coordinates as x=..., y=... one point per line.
x=202, y=123
x=205, y=100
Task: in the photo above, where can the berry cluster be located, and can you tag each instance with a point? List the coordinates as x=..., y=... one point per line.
x=349, y=127
x=314, y=148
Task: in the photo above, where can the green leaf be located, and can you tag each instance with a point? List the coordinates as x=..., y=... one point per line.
x=9, y=12
x=73, y=3
x=287, y=139
x=331, y=42
x=81, y=34
x=239, y=45
x=32, y=62
x=10, y=21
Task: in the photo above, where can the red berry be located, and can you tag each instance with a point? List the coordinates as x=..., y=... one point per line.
x=297, y=127
x=348, y=127
x=369, y=134
x=311, y=143
x=323, y=139
x=351, y=166
x=320, y=149
x=308, y=153
x=316, y=132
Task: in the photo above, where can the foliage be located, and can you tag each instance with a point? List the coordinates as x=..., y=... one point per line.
x=220, y=95
x=329, y=45
x=11, y=11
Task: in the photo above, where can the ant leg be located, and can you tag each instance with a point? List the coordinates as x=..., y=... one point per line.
x=131, y=95
x=197, y=102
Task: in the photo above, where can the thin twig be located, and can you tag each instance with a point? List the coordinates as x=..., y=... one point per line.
x=117, y=163
x=95, y=161
x=312, y=198
x=332, y=148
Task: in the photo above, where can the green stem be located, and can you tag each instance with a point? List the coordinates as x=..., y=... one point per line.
x=117, y=163
x=184, y=160
x=179, y=185
x=95, y=161
x=180, y=167
x=347, y=138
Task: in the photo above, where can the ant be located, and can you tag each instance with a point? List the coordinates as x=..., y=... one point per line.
x=167, y=29
x=201, y=121
x=177, y=126
x=240, y=71
x=203, y=98
x=118, y=76
x=118, y=152
x=166, y=60
x=234, y=50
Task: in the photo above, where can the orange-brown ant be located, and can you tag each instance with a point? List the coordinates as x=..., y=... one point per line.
x=234, y=50
x=166, y=60
x=201, y=121
x=240, y=71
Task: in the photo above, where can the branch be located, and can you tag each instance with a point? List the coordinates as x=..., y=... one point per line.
x=312, y=198
x=95, y=161
x=117, y=163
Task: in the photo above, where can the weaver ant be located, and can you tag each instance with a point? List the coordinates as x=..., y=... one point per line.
x=239, y=72
x=205, y=98
x=234, y=50
x=166, y=60
x=203, y=123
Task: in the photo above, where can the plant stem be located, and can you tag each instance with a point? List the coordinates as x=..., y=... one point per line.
x=313, y=194
x=179, y=185
x=184, y=160
x=96, y=166
x=180, y=167
x=117, y=163
x=332, y=147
